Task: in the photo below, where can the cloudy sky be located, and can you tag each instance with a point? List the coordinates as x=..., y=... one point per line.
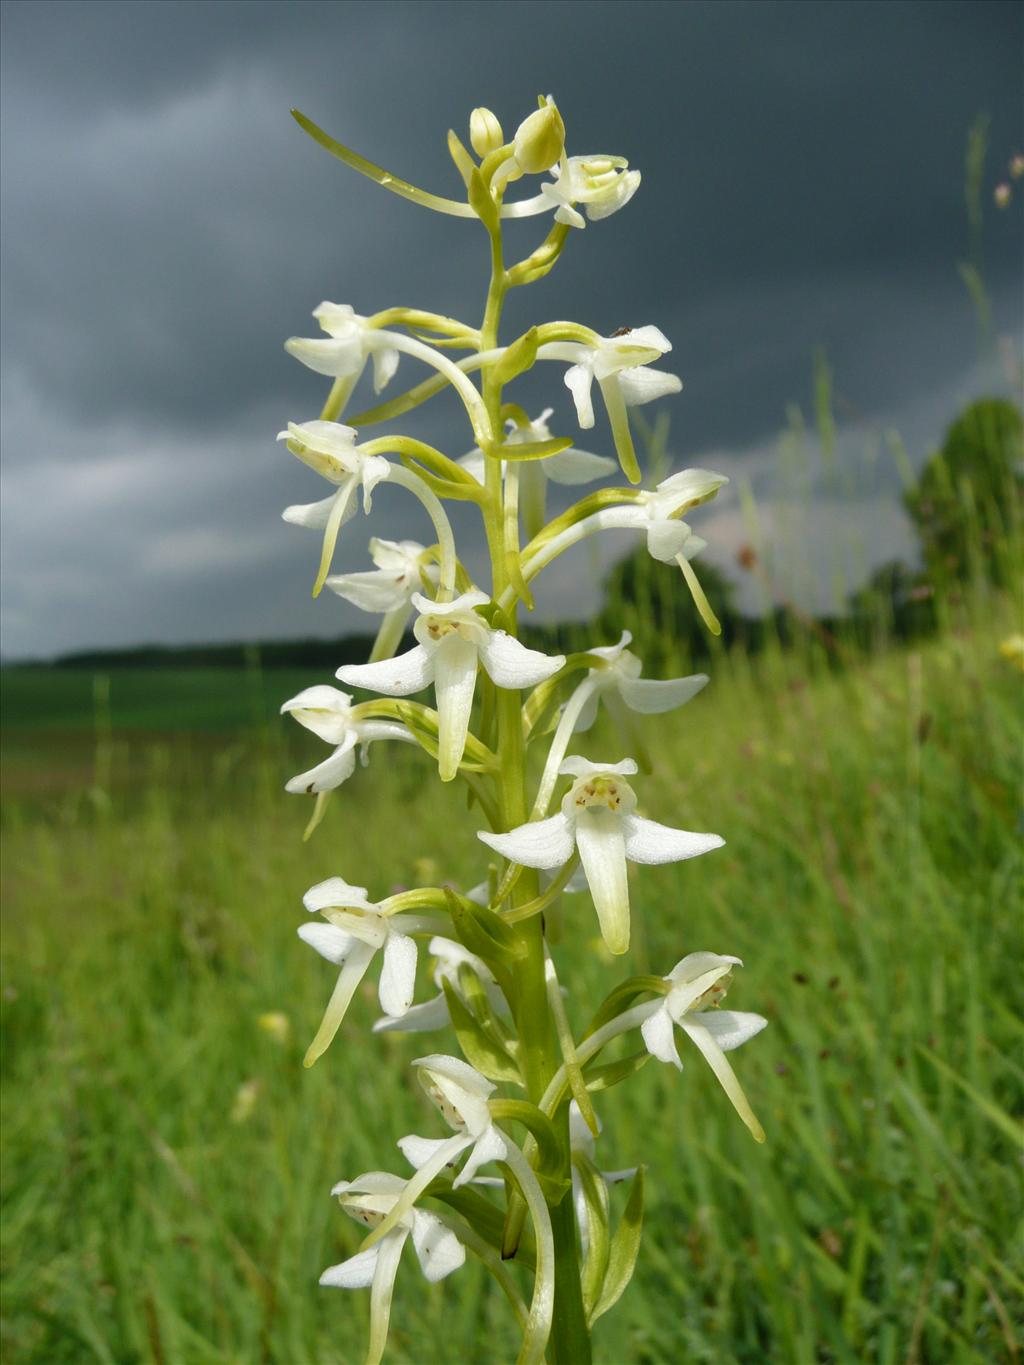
x=166, y=225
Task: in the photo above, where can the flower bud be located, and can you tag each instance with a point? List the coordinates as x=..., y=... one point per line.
x=540, y=139
x=485, y=132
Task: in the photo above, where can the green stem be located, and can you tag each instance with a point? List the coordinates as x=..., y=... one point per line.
x=570, y=1335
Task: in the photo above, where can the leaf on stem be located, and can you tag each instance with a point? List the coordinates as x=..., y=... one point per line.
x=624, y=1248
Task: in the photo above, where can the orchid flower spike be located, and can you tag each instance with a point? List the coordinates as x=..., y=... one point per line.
x=328, y=713
x=356, y=929
x=369, y=1199
x=453, y=641
x=331, y=450
x=461, y=1094
x=450, y=959
x=387, y=589
x=621, y=366
x=344, y=351
x=582, y=1145
x=602, y=184
x=598, y=821
x=697, y=985
x=570, y=467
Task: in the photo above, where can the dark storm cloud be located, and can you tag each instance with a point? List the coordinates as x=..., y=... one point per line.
x=166, y=225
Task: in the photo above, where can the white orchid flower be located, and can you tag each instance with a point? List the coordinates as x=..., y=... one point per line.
x=369, y=1199
x=658, y=514
x=330, y=449
x=583, y=1145
x=698, y=984
x=621, y=365
x=387, y=589
x=598, y=821
x=570, y=467
x=602, y=184
x=344, y=351
x=328, y=713
x=449, y=957
x=351, y=341
x=454, y=640
x=617, y=682
x=355, y=931
x=461, y=1094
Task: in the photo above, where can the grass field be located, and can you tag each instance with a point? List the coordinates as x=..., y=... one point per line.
x=168, y=1161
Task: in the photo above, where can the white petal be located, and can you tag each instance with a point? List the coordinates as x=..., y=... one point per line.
x=463, y=605
x=475, y=463
x=727, y=1079
x=641, y=384
x=510, y=664
x=331, y=773
x=730, y=1028
x=355, y=1273
x=579, y=381
x=398, y=677
x=382, y=1291
x=649, y=842
x=352, y=973
x=336, y=894
x=659, y=1037
x=578, y=766
x=695, y=965
x=424, y=1018
x=572, y=467
x=626, y=186
x=398, y=974
x=653, y=338
x=599, y=838
x=666, y=539
x=322, y=709
x=651, y=696
x=397, y=556
x=588, y=714
x=540, y=843
x=337, y=319
x=460, y=1073
x=315, y=515
x=454, y=665
x=385, y=363
x=687, y=487
x=565, y=213
x=329, y=356
x=439, y=1250
x=490, y=1146
x=375, y=590
x=374, y=470
x=418, y=1151
x=328, y=940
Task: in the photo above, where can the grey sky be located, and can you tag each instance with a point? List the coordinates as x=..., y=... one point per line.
x=166, y=226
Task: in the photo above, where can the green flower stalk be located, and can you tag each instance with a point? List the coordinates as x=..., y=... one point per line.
x=515, y=1182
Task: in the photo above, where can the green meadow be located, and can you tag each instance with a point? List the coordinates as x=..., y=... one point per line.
x=168, y=1160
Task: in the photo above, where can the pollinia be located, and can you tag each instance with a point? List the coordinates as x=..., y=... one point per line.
x=507, y=1171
